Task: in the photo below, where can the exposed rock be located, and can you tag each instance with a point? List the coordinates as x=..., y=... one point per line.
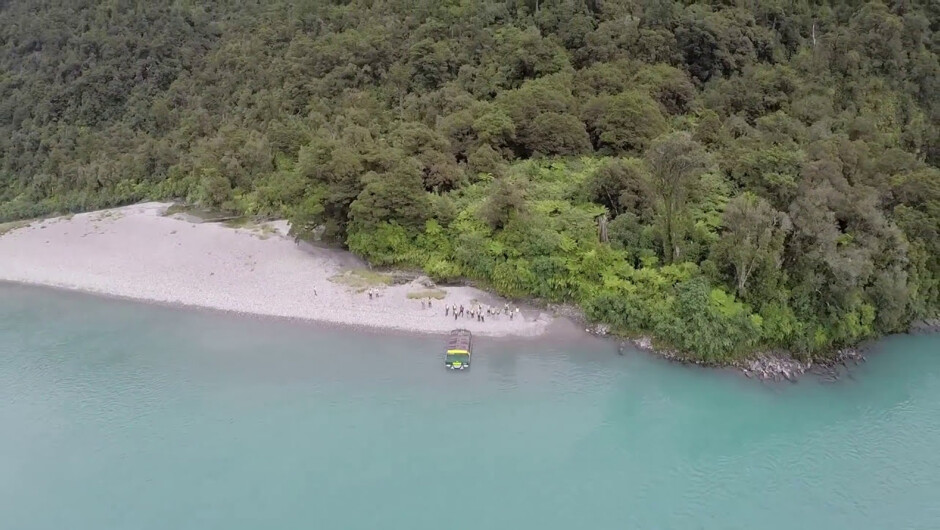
x=774, y=367
x=849, y=354
x=646, y=344
x=781, y=366
x=567, y=311
x=927, y=325
x=401, y=277
x=767, y=366
x=832, y=369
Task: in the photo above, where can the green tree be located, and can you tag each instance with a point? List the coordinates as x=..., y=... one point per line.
x=625, y=122
x=558, y=134
x=505, y=201
x=397, y=195
x=622, y=185
x=752, y=238
x=676, y=162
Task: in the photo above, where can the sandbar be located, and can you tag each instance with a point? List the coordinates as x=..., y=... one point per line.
x=139, y=252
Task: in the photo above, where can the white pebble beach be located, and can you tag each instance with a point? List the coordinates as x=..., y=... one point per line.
x=138, y=252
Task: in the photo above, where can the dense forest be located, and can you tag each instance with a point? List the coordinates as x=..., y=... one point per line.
x=726, y=175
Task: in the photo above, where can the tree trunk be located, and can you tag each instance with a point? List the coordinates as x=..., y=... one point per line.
x=668, y=243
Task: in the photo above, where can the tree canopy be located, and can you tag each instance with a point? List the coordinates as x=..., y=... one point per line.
x=769, y=169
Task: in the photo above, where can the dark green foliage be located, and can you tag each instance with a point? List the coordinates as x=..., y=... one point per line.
x=485, y=160
x=767, y=170
x=676, y=162
x=557, y=135
x=394, y=196
x=752, y=239
x=505, y=202
x=625, y=122
x=623, y=186
x=669, y=86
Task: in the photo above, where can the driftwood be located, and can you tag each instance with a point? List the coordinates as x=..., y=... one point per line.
x=223, y=219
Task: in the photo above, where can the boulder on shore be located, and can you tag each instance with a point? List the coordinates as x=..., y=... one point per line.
x=771, y=367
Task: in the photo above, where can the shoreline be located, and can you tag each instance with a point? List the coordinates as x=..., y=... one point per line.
x=138, y=253
x=768, y=366
x=559, y=329
x=141, y=254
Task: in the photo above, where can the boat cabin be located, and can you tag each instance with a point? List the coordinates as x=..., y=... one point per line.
x=457, y=354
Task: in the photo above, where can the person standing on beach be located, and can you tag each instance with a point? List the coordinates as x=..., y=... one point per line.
x=446, y=309
x=422, y=303
x=429, y=302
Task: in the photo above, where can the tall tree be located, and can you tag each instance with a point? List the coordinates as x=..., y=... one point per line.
x=752, y=237
x=676, y=162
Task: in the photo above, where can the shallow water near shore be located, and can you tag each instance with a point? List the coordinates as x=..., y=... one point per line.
x=123, y=415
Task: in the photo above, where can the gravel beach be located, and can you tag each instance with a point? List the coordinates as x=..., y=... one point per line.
x=140, y=253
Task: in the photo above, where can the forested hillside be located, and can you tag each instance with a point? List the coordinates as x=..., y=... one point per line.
x=727, y=175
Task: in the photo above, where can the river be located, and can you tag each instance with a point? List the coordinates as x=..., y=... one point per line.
x=119, y=415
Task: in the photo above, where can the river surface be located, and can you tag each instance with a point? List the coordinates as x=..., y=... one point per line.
x=118, y=415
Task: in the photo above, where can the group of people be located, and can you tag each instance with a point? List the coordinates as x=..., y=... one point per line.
x=480, y=312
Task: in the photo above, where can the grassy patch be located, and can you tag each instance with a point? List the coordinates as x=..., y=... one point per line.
x=437, y=294
x=362, y=279
x=205, y=215
x=109, y=214
x=265, y=231
x=261, y=231
x=11, y=226
x=174, y=209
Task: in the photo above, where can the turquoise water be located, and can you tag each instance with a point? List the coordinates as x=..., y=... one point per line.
x=128, y=416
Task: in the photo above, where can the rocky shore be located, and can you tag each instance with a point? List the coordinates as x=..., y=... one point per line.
x=765, y=366
x=929, y=325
